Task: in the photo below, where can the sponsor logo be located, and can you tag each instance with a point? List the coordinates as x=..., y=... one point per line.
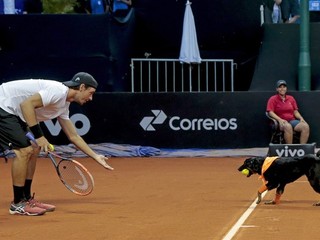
x=177, y=123
x=287, y=152
x=291, y=150
x=158, y=118
x=197, y=124
x=80, y=121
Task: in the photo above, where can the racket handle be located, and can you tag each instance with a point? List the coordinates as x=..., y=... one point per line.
x=31, y=137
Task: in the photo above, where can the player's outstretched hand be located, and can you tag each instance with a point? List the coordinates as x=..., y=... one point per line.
x=102, y=160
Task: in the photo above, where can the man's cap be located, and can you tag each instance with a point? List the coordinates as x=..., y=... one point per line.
x=81, y=77
x=281, y=82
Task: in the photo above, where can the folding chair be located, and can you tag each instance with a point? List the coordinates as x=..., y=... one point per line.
x=277, y=136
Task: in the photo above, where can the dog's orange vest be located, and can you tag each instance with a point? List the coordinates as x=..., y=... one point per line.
x=266, y=164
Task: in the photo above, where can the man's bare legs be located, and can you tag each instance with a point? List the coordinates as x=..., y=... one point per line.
x=288, y=133
x=304, y=130
x=23, y=168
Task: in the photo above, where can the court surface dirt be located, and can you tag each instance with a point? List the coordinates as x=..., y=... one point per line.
x=160, y=199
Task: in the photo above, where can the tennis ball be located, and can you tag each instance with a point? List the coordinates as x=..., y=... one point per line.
x=51, y=147
x=245, y=172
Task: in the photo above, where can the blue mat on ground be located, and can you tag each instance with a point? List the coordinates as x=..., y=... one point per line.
x=127, y=150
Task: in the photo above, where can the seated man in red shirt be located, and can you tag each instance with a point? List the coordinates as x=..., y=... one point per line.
x=284, y=109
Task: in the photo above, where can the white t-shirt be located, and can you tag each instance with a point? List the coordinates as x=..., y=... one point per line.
x=53, y=94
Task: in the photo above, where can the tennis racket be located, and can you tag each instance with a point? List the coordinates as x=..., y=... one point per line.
x=72, y=174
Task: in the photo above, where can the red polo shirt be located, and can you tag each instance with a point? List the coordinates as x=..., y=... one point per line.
x=283, y=108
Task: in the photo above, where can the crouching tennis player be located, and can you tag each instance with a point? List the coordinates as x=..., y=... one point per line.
x=25, y=103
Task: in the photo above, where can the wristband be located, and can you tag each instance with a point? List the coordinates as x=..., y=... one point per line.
x=37, y=131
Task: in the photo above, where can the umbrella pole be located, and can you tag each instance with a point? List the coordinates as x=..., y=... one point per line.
x=190, y=77
x=182, y=78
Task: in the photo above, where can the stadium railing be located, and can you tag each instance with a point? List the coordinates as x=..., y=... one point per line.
x=170, y=75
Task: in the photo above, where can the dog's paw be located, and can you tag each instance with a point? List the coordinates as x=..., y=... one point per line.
x=316, y=204
x=271, y=202
x=259, y=198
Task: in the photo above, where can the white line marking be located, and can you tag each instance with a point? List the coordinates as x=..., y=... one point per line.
x=248, y=226
x=242, y=219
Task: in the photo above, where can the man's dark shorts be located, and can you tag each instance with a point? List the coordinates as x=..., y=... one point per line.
x=12, y=131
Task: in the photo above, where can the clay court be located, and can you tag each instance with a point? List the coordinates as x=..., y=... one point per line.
x=161, y=199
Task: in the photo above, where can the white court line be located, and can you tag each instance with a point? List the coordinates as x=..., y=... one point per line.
x=242, y=219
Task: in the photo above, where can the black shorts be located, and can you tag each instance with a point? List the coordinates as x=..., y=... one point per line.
x=12, y=131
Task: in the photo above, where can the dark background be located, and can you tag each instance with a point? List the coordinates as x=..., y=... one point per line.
x=57, y=46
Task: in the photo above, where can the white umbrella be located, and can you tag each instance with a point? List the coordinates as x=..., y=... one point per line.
x=189, y=51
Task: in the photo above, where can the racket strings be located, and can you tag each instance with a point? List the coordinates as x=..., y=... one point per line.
x=75, y=177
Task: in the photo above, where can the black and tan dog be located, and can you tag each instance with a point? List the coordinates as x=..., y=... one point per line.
x=277, y=172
